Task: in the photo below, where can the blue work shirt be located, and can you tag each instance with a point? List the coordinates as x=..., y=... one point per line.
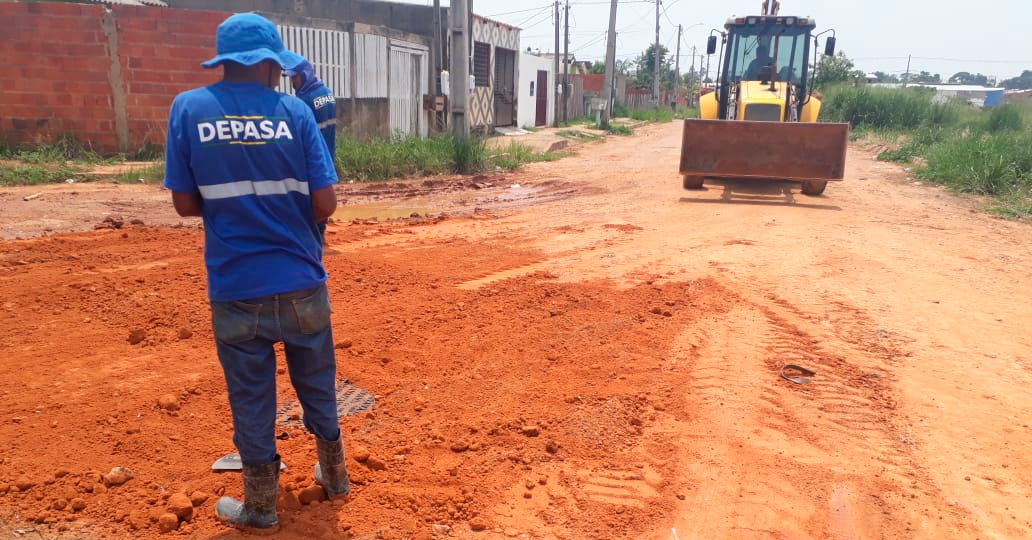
x=320, y=99
x=254, y=156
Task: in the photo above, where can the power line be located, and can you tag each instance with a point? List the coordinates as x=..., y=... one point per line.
x=547, y=6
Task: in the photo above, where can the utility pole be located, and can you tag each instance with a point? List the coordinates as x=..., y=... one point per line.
x=906, y=78
x=655, y=63
x=607, y=89
x=555, y=120
x=566, y=64
x=458, y=15
x=677, y=70
x=691, y=82
x=438, y=52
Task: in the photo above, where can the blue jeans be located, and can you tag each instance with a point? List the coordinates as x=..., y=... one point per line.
x=245, y=332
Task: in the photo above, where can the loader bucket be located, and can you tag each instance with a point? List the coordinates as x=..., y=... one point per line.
x=770, y=150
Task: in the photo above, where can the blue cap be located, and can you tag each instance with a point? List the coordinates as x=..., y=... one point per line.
x=249, y=38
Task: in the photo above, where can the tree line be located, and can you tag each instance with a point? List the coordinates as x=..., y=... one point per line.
x=829, y=70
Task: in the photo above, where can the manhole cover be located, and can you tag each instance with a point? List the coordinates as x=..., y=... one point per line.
x=350, y=400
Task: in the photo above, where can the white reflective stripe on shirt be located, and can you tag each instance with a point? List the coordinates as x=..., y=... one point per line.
x=327, y=123
x=253, y=187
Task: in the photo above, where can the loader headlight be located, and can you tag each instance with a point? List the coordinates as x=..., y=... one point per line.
x=753, y=20
x=790, y=21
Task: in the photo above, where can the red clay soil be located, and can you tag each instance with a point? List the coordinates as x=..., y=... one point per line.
x=594, y=354
x=481, y=394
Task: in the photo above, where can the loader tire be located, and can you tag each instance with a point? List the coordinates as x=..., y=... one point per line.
x=814, y=187
x=693, y=182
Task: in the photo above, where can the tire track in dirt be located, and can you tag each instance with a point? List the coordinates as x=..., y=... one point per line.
x=761, y=445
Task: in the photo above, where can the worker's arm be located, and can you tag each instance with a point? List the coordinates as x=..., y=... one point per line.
x=179, y=178
x=187, y=204
x=321, y=172
x=324, y=203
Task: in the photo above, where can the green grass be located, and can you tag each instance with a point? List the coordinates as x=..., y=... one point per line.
x=405, y=157
x=32, y=174
x=982, y=152
x=578, y=135
x=381, y=159
x=579, y=121
x=516, y=154
x=618, y=129
x=657, y=114
x=64, y=149
x=149, y=174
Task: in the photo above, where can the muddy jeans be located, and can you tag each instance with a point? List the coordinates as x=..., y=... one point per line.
x=245, y=332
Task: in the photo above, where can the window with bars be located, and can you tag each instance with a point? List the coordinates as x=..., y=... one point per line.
x=482, y=63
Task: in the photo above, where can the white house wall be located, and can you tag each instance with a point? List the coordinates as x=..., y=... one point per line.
x=526, y=111
x=384, y=68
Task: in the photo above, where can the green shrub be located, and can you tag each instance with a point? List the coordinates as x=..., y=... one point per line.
x=655, y=114
x=1006, y=118
x=988, y=164
x=887, y=108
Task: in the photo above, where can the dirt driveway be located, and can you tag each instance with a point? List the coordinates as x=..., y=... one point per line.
x=582, y=350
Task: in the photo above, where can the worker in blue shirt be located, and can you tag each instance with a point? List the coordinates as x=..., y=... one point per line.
x=320, y=99
x=252, y=163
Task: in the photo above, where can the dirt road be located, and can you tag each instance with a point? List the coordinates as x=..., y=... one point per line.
x=589, y=352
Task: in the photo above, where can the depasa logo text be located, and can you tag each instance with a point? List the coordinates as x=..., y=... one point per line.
x=244, y=130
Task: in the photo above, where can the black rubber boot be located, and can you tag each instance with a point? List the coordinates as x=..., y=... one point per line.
x=330, y=472
x=258, y=511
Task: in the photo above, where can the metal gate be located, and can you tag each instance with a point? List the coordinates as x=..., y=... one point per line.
x=505, y=87
x=407, y=86
x=326, y=50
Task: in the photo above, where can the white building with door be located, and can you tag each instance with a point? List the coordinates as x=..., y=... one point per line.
x=379, y=76
x=536, y=95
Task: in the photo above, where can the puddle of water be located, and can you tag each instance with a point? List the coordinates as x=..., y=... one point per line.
x=378, y=211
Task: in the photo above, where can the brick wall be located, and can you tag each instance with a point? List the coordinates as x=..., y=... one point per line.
x=105, y=76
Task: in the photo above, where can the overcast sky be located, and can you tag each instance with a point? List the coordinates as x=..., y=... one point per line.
x=944, y=36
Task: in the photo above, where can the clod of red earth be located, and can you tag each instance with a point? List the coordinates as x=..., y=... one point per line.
x=117, y=476
x=181, y=505
x=78, y=504
x=288, y=500
x=59, y=504
x=137, y=335
x=376, y=463
x=551, y=447
x=198, y=498
x=360, y=454
x=168, y=402
x=531, y=430
x=138, y=519
x=168, y=523
x=185, y=333
x=24, y=484
x=478, y=524
x=343, y=344
x=311, y=494
x=459, y=446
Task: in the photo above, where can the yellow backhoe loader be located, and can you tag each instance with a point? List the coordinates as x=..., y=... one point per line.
x=760, y=119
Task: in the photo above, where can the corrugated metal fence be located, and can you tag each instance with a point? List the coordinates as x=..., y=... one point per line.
x=326, y=50
x=384, y=68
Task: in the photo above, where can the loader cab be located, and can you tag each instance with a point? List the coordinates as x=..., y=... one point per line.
x=764, y=69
